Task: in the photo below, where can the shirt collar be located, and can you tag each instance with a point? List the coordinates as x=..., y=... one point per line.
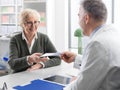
x=95, y=30
x=24, y=38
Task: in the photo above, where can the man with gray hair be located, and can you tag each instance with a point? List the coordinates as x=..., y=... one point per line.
x=100, y=64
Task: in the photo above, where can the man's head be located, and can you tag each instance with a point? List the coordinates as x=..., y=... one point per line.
x=92, y=13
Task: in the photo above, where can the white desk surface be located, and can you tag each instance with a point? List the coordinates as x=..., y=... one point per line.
x=25, y=77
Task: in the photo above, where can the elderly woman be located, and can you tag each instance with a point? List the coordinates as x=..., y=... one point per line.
x=27, y=46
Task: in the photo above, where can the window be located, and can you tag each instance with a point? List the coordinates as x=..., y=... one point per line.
x=113, y=16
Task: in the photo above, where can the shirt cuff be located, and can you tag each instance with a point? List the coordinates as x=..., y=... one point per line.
x=28, y=62
x=42, y=64
x=77, y=62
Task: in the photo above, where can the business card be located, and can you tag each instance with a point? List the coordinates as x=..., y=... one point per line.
x=51, y=54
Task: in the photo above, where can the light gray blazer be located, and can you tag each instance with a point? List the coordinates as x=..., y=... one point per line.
x=100, y=67
x=19, y=52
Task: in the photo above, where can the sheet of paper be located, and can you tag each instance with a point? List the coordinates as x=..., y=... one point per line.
x=51, y=54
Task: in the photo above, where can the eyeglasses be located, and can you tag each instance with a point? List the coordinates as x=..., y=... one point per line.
x=36, y=23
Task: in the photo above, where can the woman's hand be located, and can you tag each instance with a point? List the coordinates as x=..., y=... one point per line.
x=43, y=59
x=35, y=58
x=35, y=67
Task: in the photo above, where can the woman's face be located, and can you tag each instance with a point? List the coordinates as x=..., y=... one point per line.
x=31, y=26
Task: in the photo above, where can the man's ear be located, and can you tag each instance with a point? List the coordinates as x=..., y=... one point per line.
x=87, y=19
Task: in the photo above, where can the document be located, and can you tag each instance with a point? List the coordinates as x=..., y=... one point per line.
x=51, y=54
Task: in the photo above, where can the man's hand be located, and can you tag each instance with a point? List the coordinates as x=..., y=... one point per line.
x=68, y=56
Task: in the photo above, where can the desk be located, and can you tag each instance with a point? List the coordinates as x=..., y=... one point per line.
x=26, y=76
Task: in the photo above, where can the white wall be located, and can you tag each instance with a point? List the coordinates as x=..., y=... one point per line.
x=57, y=23
x=51, y=19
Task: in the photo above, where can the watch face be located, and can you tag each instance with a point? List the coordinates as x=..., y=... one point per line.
x=59, y=79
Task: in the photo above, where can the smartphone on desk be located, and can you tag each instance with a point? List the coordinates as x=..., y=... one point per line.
x=59, y=79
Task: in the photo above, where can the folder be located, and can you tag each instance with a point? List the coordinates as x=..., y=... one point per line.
x=40, y=85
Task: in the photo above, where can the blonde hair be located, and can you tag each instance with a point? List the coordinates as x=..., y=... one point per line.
x=28, y=13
